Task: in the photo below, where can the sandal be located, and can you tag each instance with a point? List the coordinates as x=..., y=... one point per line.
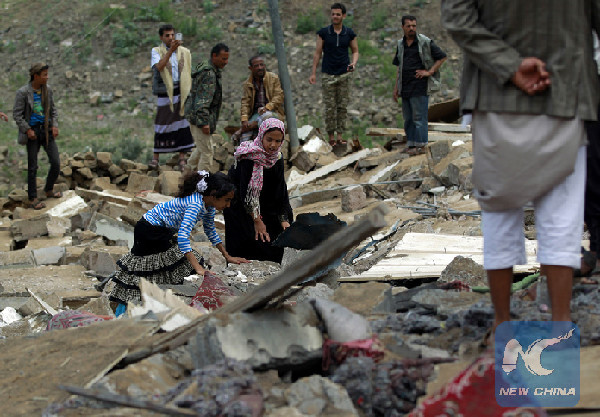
x=589, y=259
x=36, y=204
x=52, y=194
x=182, y=164
x=153, y=164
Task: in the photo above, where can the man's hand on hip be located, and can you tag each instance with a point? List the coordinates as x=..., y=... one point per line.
x=422, y=74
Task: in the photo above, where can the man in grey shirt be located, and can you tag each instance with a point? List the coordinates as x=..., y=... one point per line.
x=530, y=80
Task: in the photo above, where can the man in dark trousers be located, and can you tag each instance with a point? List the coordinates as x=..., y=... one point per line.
x=333, y=42
x=418, y=59
x=37, y=119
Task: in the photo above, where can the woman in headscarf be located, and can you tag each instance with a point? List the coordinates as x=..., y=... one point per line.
x=157, y=255
x=261, y=209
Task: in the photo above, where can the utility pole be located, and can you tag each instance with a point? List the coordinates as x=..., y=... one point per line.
x=284, y=74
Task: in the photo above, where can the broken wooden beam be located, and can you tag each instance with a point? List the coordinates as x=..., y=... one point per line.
x=306, y=266
x=126, y=401
x=329, y=168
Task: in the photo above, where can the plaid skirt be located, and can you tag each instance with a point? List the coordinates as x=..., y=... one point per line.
x=155, y=257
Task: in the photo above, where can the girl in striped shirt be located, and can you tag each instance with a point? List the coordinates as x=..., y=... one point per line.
x=160, y=258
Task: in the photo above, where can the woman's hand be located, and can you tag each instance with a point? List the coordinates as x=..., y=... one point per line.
x=260, y=230
x=236, y=260
x=285, y=225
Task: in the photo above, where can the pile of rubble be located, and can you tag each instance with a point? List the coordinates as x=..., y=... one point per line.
x=399, y=307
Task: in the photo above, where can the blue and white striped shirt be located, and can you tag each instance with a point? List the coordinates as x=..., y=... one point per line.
x=182, y=214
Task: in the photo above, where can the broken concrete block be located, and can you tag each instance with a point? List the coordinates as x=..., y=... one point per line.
x=367, y=298
x=18, y=195
x=28, y=228
x=113, y=210
x=127, y=164
x=306, y=132
x=66, y=171
x=6, y=241
x=52, y=255
x=353, y=198
x=115, y=171
x=169, y=182
x=31, y=306
x=99, y=306
x=139, y=182
x=58, y=226
x=439, y=150
x=342, y=324
x=72, y=255
x=385, y=158
x=446, y=174
x=112, y=229
x=264, y=339
x=104, y=159
x=303, y=160
x=22, y=258
x=318, y=396
x=76, y=164
x=318, y=146
x=102, y=260
x=101, y=184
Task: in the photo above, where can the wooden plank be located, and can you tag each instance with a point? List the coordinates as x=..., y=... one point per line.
x=448, y=127
x=329, y=168
x=421, y=255
x=384, y=131
x=307, y=265
x=453, y=244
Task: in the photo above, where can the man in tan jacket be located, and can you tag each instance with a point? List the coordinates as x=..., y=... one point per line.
x=262, y=93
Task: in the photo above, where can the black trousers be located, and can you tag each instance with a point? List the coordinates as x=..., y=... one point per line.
x=33, y=148
x=592, y=185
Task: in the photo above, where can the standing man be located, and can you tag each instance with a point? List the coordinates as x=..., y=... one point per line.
x=418, y=59
x=262, y=94
x=333, y=42
x=203, y=107
x=37, y=120
x=529, y=101
x=171, y=64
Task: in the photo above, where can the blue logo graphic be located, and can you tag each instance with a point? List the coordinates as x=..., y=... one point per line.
x=537, y=364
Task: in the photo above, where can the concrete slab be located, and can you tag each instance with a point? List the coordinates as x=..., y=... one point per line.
x=45, y=279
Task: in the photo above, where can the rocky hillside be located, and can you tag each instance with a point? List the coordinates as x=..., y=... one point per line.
x=99, y=55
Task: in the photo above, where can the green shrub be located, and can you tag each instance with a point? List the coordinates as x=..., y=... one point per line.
x=379, y=19
x=188, y=25
x=310, y=22
x=266, y=49
x=208, y=6
x=125, y=39
x=210, y=29
x=164, y=11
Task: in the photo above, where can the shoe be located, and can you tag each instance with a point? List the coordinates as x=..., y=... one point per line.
x=182, y=164
x=417, y=150
x=153, y=164
x=408, y=149
x=36, y=204
x=589, y=260
x=52, y=194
